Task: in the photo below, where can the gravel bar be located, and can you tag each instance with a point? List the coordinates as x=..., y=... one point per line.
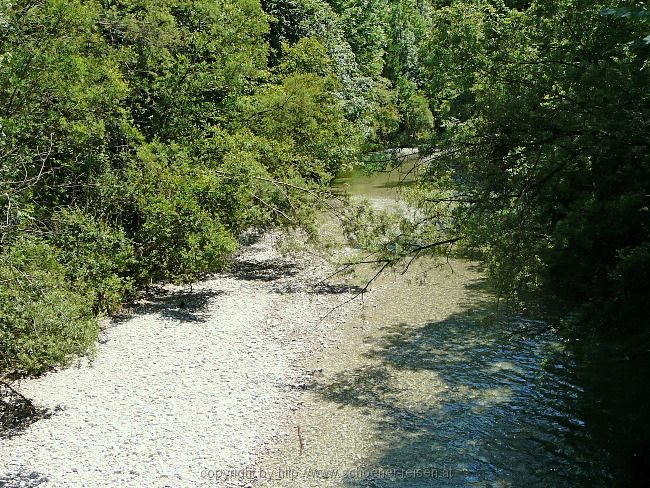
x=191, y=384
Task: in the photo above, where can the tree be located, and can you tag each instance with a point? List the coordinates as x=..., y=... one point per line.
x=542, y=162
x=139, y=140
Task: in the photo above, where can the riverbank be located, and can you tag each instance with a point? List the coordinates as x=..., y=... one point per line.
x=430, y=386
x=366, y=413
x=266, y=377
x=192, y=382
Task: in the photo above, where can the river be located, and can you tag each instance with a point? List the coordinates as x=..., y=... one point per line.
x=431, y=386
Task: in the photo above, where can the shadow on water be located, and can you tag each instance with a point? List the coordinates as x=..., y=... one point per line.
x=503, y=404
x=498, y=406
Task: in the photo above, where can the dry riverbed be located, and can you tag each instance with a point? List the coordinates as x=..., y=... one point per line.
x=191, y=385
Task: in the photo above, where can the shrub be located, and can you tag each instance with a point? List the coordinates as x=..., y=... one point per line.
x=44, y=321
x=97, y=258
x=177, y=236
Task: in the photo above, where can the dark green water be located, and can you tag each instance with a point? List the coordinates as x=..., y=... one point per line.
x=382, y=189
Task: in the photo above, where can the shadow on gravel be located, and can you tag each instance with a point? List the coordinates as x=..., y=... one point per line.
x=184, y=306
x=270, y=270
x=22, y=479
x=17, y=413
x=318, y=288
x=277, y=271
x=334, y=289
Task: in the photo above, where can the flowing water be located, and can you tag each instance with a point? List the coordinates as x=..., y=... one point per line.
x=431, y=387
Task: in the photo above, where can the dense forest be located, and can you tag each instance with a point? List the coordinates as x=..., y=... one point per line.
x=539, y=158
x=140, y=140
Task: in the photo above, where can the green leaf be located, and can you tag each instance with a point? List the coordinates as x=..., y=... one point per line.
x=634, y=13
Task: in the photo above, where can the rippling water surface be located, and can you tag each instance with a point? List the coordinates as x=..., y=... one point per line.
x=431, y=388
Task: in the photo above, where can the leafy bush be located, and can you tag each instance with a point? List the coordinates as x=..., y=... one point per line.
x=543, y=152
x=44, y=319
x=97, y=257
x=177, y=237
x=140, y=140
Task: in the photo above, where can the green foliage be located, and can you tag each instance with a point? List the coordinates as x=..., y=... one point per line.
x=384, y=116
x=61, y=110
x=308, y=55
x=186, y=61
x=372, y=45
x=176, y=237
x=45, y=320
x=634, y=13
x=415, y=116
x=139, y=140
x=98, y=258
x=302, y=113
x=544, y=147
x=363, y=23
